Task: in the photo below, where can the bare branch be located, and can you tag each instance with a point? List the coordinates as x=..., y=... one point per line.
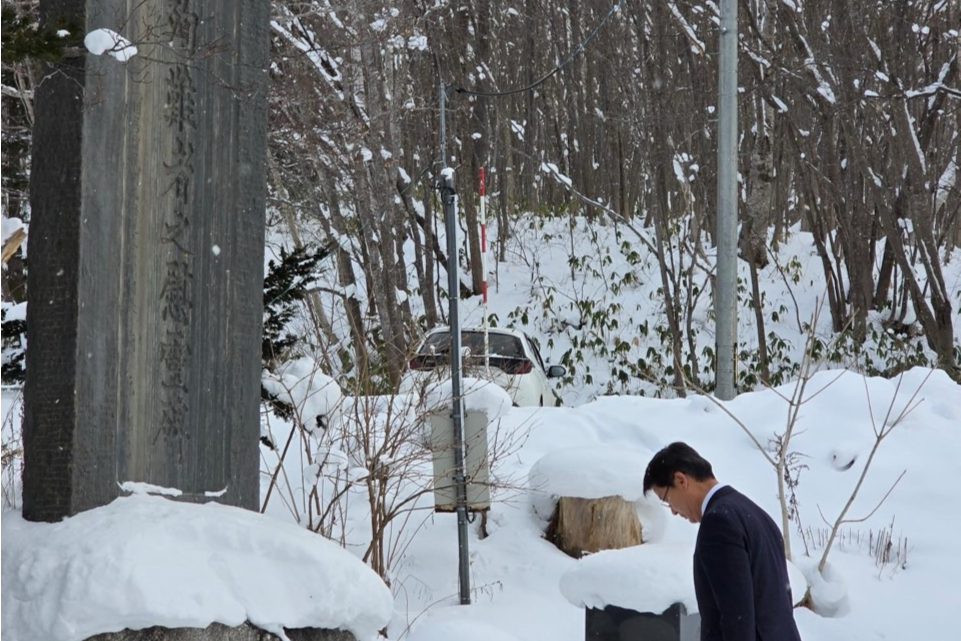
x=879, y=438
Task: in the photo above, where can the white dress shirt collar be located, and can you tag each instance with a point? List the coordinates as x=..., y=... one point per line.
x=707, y=497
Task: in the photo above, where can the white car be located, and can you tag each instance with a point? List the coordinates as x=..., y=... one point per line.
x=512, y=362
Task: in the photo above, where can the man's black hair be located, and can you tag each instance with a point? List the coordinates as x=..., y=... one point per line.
x=676, y=457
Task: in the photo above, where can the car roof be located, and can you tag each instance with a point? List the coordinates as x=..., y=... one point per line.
x=490, y=330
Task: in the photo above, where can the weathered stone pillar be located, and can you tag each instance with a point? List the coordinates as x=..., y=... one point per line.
x=145, y=296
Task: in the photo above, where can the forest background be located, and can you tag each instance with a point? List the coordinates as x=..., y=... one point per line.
x=604, y=113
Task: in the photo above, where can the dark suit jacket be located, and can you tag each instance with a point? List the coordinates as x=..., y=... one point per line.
x=740, y=575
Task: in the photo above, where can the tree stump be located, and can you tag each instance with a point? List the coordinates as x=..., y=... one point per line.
x=580, y=526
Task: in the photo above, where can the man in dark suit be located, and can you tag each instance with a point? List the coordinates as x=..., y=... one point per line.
x=740, y=574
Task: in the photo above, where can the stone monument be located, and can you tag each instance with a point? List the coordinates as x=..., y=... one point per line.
x=613, y=623
x=146, y=243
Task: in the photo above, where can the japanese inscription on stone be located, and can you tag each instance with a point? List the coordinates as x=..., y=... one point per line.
x=176, y=304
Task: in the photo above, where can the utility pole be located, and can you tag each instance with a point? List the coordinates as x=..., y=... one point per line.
x=725, y=301
x=449, y=199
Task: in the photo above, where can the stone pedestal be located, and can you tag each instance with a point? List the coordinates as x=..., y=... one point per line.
x=620, y=624
x=144, y=314
x=218, y=632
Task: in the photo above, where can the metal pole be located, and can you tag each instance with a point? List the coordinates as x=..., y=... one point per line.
x=449, y=200
x=726, y=295
x=442, y=98
x=457, y=408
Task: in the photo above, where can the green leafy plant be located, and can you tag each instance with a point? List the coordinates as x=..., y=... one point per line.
x=286, y=286
x=24, y=39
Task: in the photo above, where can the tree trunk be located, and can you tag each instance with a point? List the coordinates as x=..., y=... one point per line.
x=581, y=526
x=346, y=279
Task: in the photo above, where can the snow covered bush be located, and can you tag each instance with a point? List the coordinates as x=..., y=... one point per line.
x=355, y=468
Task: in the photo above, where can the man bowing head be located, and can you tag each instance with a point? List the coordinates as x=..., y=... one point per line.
x=740, y=573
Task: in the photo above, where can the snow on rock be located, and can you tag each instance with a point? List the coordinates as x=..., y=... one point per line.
x=146, y=561
x=644, y=578
x=135, y=487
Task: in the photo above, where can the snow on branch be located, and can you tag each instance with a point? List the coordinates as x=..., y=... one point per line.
x=101, y=41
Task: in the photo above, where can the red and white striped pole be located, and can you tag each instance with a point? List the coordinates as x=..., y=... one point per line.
x=483, y=247
x=483, y=232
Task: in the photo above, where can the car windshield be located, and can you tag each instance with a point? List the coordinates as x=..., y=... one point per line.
x=503, y=345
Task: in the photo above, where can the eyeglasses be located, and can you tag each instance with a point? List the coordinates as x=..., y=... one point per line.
x=663, y=499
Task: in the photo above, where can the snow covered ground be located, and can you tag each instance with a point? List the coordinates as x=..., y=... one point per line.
x=144, y=561
x=68, y=575
x=62, y=582
x=521, y=579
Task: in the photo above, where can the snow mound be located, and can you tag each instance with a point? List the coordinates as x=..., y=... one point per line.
x=591, y=472
x=146, y=561
x=643, y=578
